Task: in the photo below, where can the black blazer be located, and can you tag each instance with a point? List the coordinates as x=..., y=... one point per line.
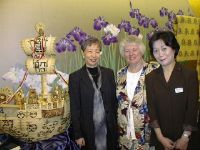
x=173, y=104
x=81, y=94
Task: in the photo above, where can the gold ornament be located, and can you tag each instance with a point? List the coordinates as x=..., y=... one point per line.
x=32, y=96
x=5, y=93
x=25, y=119
x=39, y=26
x=19, y=99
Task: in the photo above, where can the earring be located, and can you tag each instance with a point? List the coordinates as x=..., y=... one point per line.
x=82, y=54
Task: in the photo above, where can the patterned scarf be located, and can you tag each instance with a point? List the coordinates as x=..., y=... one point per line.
x=99, y=114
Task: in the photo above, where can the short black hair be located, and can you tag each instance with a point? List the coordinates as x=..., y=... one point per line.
x=88, y=42
x=168, y=38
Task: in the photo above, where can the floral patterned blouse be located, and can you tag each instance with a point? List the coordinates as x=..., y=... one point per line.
x=139, y=107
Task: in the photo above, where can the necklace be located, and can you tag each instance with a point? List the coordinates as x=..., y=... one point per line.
x=95, y=74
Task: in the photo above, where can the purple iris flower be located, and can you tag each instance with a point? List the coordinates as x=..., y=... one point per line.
x=68, y=35
x=169, y=25
x=153, y=23
x=143, y=21
x=132, y=14
x=71, y=47
x=65, y=44
x=149, y=35
x=99, y=23
x=113, y=39
x=134, y=31
x=139, y=16
x=126, y=25
x=78, y=35
x=61, y=46
x=163, y=12
x=135, y=13
x=108, y=39
x=171, y=16
x=146, y=22
x=83, y=37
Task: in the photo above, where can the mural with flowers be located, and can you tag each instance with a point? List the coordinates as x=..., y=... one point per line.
x=110, y=36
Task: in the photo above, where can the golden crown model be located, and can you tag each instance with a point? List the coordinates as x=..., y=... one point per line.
x=36, y=116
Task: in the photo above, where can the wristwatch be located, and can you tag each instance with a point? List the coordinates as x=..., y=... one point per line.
x=186, y=135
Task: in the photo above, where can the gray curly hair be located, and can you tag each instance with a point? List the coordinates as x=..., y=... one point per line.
x=131, y=40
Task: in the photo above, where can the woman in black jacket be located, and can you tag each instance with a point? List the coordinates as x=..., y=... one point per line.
x=93, y=101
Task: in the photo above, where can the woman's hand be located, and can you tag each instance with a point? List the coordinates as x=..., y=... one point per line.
x=167, y=143
x=80, y=142
x=182, y=143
